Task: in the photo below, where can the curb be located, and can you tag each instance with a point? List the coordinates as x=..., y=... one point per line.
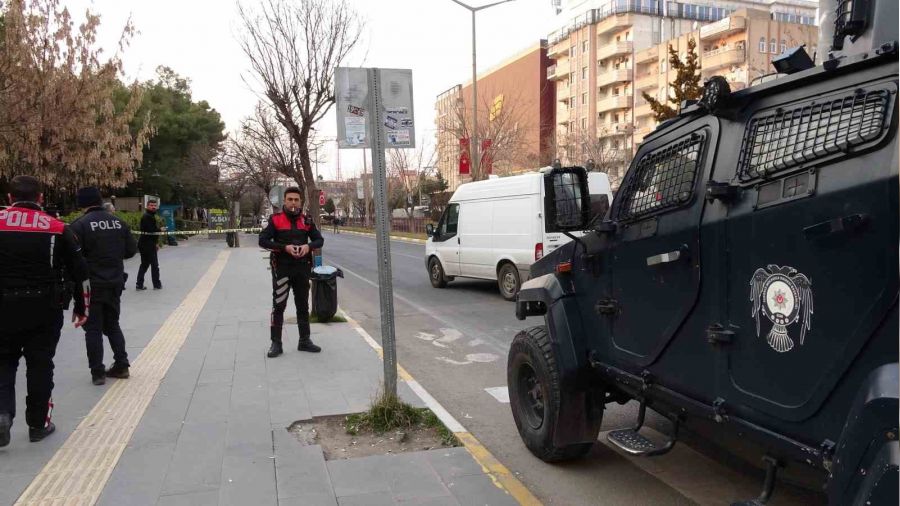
x=499, y=474
x=393, y=237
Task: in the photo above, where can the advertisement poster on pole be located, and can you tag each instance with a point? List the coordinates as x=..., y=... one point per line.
x=397, y=99
x=352, y=98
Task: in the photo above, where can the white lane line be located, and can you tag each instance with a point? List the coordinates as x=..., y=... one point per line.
x=499, y=393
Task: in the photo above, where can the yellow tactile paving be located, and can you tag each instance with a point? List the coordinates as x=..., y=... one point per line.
x=77, y=473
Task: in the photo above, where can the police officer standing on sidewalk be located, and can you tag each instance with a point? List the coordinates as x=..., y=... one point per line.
x=291, y=236
x=38, y=256
x=148, y=245
x=105, y=242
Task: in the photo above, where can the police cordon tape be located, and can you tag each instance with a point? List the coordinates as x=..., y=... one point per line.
x=198, y=232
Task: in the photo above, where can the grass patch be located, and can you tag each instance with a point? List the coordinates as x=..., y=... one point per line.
x=388, y=413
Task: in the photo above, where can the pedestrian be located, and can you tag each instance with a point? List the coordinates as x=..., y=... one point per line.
x=335, y=221
x=105, y=242
x=148, y=246
x=40, y=262
x=109, y=207
x=291, y=236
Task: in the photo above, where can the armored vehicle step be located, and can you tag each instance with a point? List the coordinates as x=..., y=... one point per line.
x=631, y=441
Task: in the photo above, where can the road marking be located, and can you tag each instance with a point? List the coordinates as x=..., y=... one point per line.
x=79, y=470
x=499, y=393
x=471, y=358
x=393, y=237
x=499, y=474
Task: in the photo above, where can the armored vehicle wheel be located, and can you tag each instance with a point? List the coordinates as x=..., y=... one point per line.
x=534, y=396
x=436, y=273
x=508, y=280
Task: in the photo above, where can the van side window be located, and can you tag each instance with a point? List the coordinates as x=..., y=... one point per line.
x=779, y=139
x=662, y=179
x=450, y=221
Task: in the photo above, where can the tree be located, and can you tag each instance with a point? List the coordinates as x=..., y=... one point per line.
x=59, y=117
x=329, y=206
x=272, y=143
x=685, y=87
x=294, y=49
x=587, y=147
x=405, y=168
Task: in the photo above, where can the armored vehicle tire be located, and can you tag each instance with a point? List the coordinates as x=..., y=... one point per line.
x=436, y=273
x=534, y=396
x=508, y=281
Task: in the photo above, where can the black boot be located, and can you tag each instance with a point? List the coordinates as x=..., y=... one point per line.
x=275, y=349
x=98, y=377
x=306, y=344
x=5, y=425
x=35, y=435
x=118, y=371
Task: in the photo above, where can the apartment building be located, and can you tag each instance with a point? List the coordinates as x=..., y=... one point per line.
x=516, y=107
x=612, y=50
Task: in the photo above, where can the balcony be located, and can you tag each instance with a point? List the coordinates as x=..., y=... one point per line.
x=613, y=103
x=615, y=22
x=642, y=132
x=614, y=49
x=563, y=92
x=613, y=130
x=553, y=75
x=562, y=115
x=643, y=109
x=646, y=82
x=723, y=27
x=724, y=56
x=558, y=49
x=651, y=54
x=613, y=76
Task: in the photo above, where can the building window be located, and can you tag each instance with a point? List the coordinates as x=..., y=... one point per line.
x=762, y=44
x=584, y=47
x=584, y=73
x=572, y=51
x=783, y=46
x=584, y=99
x=773, y=46
x=584, y=123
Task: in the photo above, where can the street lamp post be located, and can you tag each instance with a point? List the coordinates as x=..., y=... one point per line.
x=473, y=145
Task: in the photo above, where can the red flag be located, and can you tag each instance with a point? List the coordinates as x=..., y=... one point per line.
x=487, y=160
x=321, y=197
x=464, y=157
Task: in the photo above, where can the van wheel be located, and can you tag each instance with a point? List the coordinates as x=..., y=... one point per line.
x=508, y=280
x=534, y=396
x=436, y=273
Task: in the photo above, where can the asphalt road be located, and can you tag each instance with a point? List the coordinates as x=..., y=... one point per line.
x=454, y=341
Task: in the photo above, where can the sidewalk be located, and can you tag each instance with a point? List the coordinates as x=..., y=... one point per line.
x=213, y=428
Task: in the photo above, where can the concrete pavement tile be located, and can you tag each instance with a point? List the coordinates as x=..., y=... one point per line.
x=448, y=500
x=357, y=476
x=288, y=406
x=249, y=438
x=308, y=500
x=372, y=499
x=300, y=470
x=411, y=476
x=197, y=462
x=139, y=475
x=210, y=403
x=248, y=480
x=479, y=491
x=213, y=376
x=12, y=486
x=208, y=498
x=220, y=355
x=452, y=463
x=325, y=401
x=163, y=420
x=225, y=332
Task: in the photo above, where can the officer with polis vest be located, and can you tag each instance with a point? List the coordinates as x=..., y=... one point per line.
x=39, y=260
x=105, y=242
x=291, y=236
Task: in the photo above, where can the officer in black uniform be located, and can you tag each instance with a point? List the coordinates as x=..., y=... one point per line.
x=105, y=242
x=291, y=236
x=39, y=258
x=148, y=245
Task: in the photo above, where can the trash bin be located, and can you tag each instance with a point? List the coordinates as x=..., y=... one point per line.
x=324, y=292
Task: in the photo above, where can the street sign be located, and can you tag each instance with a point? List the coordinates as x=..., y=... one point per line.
x=395, y=113
x=352, y=98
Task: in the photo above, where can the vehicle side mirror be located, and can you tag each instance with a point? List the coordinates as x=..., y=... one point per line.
x=429, y=230
x=568, y=192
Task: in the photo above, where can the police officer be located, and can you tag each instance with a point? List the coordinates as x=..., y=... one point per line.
x=38, y=255
x=148, y=245
x=105, y=242
x=291, y=236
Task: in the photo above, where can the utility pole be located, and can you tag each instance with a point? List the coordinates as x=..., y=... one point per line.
x=473, y=141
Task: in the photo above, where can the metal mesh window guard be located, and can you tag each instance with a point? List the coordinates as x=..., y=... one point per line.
x=567, y=194
x=785, y=138
x=663, y=179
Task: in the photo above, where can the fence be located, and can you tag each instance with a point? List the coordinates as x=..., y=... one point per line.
x=408, y=225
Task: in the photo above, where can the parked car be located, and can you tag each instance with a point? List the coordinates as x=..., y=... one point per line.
x=495, y=229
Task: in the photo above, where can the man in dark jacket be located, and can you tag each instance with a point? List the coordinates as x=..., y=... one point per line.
x=291, y=236
x=105, y=242
x=39, y=258
x=148, y=245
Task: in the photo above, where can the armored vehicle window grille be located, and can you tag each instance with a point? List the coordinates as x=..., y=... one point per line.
x=786, y=138
x=663, y=179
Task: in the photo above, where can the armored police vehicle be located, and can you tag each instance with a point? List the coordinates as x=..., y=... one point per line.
x=745, y=278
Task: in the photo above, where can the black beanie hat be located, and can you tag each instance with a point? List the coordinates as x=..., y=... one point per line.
x=89, y=196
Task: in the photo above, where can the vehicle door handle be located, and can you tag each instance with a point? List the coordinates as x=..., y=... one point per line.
x=665, y=258
x=836, y=226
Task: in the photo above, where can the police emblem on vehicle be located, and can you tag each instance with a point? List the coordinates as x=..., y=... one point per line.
x=784, y=296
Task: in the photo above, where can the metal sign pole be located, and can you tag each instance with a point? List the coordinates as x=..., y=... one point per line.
x=382, y=233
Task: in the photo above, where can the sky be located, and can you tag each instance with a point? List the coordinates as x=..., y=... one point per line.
x=198, y=39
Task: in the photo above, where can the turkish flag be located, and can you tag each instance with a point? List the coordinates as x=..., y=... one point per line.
x=465, y=161
x=321, y=197
x=487, y=159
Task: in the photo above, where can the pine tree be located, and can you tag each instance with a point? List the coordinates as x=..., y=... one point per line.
x=685, y=87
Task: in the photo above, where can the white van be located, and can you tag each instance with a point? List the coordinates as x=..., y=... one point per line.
x=495, y=229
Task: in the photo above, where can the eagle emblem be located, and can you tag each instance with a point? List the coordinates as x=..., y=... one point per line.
x=784, y=296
